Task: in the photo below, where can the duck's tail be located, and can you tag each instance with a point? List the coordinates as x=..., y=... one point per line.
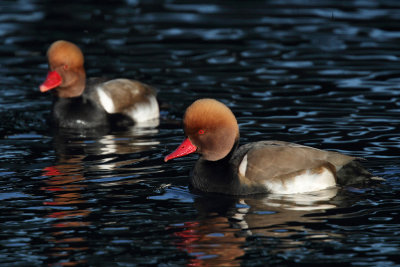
x=355, y=173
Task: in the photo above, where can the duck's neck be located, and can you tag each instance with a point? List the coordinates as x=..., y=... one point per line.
x=74, y=87
x=214, y=176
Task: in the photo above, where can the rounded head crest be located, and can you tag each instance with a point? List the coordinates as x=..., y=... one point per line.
x=64, y=53
x=212, y=127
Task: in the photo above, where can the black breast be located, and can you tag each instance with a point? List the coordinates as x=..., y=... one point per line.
x=78, y=112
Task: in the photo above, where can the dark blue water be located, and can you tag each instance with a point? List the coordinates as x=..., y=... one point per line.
x=319, y=73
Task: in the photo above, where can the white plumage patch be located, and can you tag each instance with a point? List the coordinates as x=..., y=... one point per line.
x=307, y=182
x=144, y=111
x=243, y=166
x=139, y=112
x=105, y=100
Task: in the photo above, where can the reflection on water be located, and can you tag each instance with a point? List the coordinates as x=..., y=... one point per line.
x=210, y=239
x=218, y=236
x=211, y=242
x=64, y=185
x=307, y=202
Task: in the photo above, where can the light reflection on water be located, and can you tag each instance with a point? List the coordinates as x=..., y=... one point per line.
x=218, y=236
x=64, y=186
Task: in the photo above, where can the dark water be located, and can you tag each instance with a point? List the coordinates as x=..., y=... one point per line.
x=319, y=73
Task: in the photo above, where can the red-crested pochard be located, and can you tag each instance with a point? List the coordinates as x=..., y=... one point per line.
x=81, y=103
x=278, y=167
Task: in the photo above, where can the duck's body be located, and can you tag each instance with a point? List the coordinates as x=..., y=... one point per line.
x=260, y=167
x=88, y=103
x=97, y=106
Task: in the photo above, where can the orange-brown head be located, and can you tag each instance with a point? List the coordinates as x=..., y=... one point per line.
x=66, y=70
x=211, y=130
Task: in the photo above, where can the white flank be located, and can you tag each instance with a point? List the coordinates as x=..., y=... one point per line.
x=144, y=111
x=307, y=182
x=105, y=100
x=243, y=166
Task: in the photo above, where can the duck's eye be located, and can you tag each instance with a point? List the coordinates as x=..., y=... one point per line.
x=201, y=131
x=65, y=67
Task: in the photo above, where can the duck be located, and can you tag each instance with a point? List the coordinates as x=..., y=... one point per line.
x=82, y=103
x=270, y=166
